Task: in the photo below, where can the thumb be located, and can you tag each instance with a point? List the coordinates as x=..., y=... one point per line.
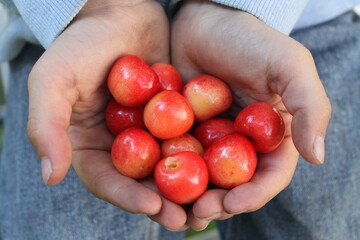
x=49, y=117
x=304, y=96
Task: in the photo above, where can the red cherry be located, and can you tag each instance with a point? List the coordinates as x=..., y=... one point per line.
x=169, y=77
x=132, y=82
x=119, y=118
x=182, y=143
x=208, y=96
x=135, y=153
x=231, y=161
x=263, y=124
x=211, y=130
x=168, y=115
x=182, y=177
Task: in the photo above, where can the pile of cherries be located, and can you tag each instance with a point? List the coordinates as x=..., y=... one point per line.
x=175, y=132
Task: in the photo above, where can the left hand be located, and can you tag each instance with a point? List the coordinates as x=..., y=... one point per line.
x=259, y=64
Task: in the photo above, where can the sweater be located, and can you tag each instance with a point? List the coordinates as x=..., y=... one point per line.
x=39, y=21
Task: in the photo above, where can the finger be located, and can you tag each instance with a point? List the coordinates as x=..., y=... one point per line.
x=210, y=206
x=274, y=172
x=49, y=114
x=98, y=174
x=304, y=96
x=195, y=223
x=171, y=215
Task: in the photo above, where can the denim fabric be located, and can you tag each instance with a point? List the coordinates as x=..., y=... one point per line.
x=322, y=202
x=30, y=210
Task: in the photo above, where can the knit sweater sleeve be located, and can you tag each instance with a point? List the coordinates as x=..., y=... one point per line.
x=279, y=14
x=47, y=19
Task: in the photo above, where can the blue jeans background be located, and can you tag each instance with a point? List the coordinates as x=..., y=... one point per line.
x=322, y=202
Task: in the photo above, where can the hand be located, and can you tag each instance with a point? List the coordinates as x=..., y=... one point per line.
x=68, y=96
x=259, y=64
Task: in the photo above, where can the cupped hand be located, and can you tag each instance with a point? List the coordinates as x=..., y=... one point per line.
x=259, y=64
x=68, y=96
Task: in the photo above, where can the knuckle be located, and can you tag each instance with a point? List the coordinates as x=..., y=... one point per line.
x=324, y=108
x=33, y=130
x=327, y=106
x=296, y=54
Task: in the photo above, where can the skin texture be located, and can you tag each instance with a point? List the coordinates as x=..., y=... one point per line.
x=259, y=64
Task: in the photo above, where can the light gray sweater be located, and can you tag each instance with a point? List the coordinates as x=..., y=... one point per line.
x=40, y=21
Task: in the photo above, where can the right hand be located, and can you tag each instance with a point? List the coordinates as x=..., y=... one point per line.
x=68, y=95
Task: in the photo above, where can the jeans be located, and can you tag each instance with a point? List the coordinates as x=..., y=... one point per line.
x=30, y=210
x=321, y=202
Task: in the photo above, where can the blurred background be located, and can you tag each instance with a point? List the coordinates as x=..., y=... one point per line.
x=4, y=75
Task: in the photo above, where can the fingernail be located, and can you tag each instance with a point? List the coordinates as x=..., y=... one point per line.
x=319, y=149
x=240, y=212
x=183, y=228
x=46, y=169
x=203, y=228
x=213, y=217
